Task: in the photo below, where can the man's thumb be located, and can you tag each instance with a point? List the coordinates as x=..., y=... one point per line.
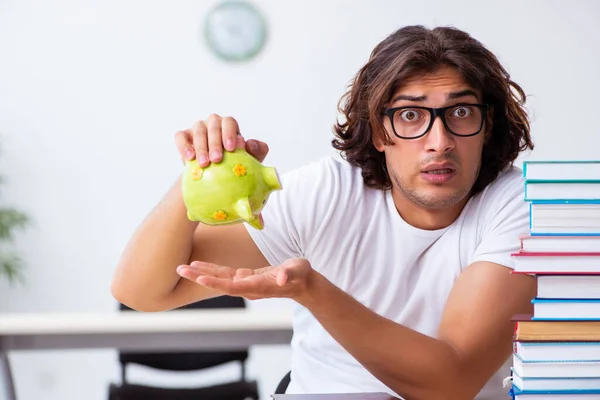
x=282, y=276
x=257, y=148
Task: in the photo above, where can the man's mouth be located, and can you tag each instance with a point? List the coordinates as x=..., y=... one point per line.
x=440, y=171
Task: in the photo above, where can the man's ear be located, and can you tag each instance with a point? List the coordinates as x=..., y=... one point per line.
x=379, y=137
x=378, y=141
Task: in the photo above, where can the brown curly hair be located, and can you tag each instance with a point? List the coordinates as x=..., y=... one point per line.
x=416, y=49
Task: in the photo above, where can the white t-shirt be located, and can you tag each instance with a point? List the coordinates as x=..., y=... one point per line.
x=355, y=237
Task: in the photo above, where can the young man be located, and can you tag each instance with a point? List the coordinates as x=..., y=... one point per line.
x=399, y=256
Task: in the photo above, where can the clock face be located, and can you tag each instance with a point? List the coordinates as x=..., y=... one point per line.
x=235, y=30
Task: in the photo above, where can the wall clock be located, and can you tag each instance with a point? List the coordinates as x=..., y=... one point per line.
x=235, y=30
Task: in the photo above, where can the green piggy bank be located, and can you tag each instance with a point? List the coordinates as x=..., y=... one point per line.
x=233, y=190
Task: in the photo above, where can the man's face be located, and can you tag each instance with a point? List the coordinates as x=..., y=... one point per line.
x=437, y=170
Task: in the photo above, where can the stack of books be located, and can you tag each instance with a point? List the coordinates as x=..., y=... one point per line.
x=557, y=349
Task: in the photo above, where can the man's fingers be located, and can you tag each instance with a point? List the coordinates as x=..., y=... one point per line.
x=242, y=273
x=215, y=138
x=282, y=277
x=240, y=142
x=199, y=134
x=207, y=140
x=188, y=273
x=229, y=130
x=184, y=143
x=258, y=149
x=252, y=286
x=201, y=268
x=235, y=288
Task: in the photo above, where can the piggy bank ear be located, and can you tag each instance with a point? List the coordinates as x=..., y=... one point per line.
x=271, y=178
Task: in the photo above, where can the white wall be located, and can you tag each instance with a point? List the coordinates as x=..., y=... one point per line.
x=91, y=93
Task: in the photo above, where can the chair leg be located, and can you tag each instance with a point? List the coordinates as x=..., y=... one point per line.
x=243, y=370
x=284, y=383
x=123, y=374
x=7, y=385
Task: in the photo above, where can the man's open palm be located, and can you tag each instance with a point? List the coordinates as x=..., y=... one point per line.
x=288, y=280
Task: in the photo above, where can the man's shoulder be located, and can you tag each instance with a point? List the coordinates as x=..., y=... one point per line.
x=330, y=170
x=506, y=192
x=326, y=162
x=502, y=202
x=509, y=183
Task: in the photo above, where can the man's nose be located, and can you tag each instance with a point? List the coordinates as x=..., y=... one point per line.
x=439, y=140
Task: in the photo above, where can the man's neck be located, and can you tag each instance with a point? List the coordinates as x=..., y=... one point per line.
x=426, y=218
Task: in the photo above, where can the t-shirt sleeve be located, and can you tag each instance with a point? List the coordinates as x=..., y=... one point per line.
x=507, y=218
x=294, y=215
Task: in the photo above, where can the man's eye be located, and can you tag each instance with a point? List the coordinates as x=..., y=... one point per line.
x=462, y=112
x=409, y=115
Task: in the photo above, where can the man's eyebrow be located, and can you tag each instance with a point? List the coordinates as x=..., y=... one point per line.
x=462, y=93
x=453, y=95
x=409, y=98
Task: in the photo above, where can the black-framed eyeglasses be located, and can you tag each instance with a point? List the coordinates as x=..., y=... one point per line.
x=413, y=122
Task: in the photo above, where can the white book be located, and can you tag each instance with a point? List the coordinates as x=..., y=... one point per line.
x=566, y=309
x=568, y=286
x=561, y=211
x=585, y=228
x=569, y=218
x=557, y=170
x=566, y=244
x=557, y=351
x=558, y=369
x=546, y=190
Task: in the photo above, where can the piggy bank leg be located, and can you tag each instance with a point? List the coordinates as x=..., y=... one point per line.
x=256, y=222
x=244, y=210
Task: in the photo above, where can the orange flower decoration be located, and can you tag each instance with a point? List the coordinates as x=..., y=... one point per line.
x=239, y=170
x=220, y=215
x=197, y=173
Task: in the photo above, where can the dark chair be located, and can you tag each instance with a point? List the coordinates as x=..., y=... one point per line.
x=284, y=383
x=187, y=361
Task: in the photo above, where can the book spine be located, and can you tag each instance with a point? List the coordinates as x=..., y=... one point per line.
x=557, y=201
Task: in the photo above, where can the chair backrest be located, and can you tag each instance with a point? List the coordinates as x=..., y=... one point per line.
x=188, y=361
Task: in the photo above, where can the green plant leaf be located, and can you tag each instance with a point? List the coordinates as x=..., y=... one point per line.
x=9, y=220
x=11, y=267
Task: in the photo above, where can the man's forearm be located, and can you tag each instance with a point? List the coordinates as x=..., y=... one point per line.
x=146, y=271
x=414, y=365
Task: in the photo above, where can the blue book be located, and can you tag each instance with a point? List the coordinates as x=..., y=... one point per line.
x=525, y=370
x=559, y=353
x=566, y=309
x=564, y=218
x=518, y=394
x=555, y=384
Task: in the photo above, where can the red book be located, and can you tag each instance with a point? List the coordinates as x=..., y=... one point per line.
x=563, y=244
